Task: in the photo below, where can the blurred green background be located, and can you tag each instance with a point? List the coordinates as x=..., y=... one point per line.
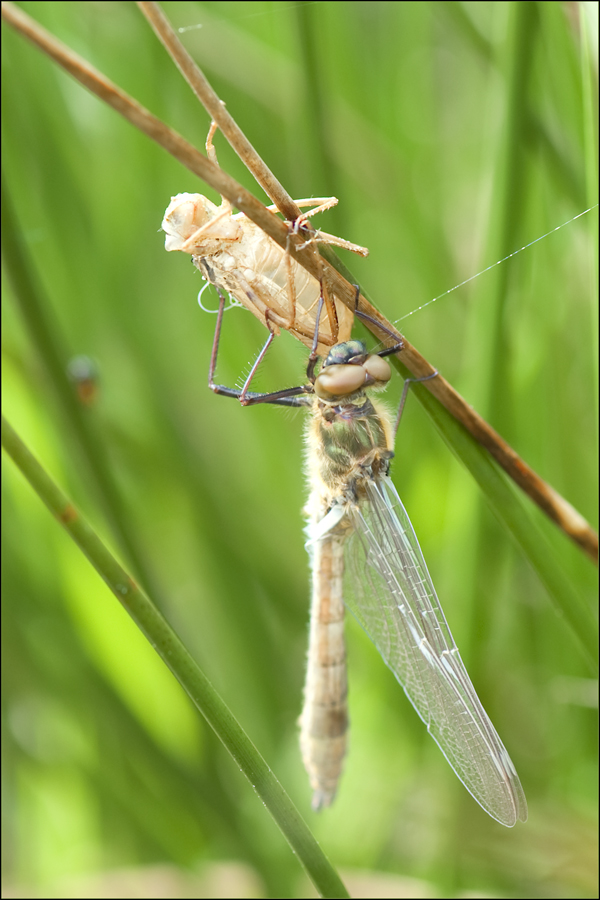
x=452, y=134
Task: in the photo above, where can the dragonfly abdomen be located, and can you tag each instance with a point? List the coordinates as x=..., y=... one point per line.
x=324, y=719
x=345, y=442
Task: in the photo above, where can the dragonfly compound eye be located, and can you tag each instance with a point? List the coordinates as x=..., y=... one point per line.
x=378, y=368
x=342, y=353
x=339, y=381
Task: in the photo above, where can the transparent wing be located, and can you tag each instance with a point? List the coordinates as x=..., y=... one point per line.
x=389, y=591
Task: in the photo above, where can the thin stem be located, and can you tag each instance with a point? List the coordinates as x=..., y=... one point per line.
x=559, y=510
x=589, y=80
x=174, y=654
x=506, y=506
x=150, y=125
x=34, y=307
x=553, y=505
x=218, y=111
x=219, y=114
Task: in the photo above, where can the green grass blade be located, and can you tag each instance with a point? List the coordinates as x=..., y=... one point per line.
x=184, y=668
x=43, y=333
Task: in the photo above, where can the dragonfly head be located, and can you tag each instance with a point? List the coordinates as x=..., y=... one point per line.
x=348, y=369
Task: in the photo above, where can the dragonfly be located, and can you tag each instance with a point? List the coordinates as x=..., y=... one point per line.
x=365, y=556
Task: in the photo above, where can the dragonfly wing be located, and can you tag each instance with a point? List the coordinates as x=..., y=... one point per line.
x=389, y=591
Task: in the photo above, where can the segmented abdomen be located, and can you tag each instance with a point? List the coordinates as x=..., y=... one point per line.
x=324, y=719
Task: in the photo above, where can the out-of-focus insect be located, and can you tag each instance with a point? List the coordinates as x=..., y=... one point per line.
x=365, y=555
x=83, y=375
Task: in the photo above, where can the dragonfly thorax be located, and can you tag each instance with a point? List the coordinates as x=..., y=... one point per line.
x=349, y=442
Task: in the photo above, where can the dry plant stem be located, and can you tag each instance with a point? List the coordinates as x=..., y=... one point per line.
x=171, y=141
x=550, y=501
x=218, y=112
x=556, y=507
x=221, y=118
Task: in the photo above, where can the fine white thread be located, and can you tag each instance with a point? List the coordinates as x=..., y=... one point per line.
x=487, y=269
x=232, y=301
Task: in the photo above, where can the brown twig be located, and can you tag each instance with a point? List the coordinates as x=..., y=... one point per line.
x=555, y=506
x=217, y=110
x=219, y=114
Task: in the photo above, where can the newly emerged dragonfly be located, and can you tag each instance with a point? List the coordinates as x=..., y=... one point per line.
x=365, y=556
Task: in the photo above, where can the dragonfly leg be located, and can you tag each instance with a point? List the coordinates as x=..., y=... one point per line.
x=219, y=388
x=215, y=347
x=397, y=346
x=257, y=361
x=405, y=390
x=287, y=397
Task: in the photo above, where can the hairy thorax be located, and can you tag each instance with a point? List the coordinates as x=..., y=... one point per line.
x=346, y=445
